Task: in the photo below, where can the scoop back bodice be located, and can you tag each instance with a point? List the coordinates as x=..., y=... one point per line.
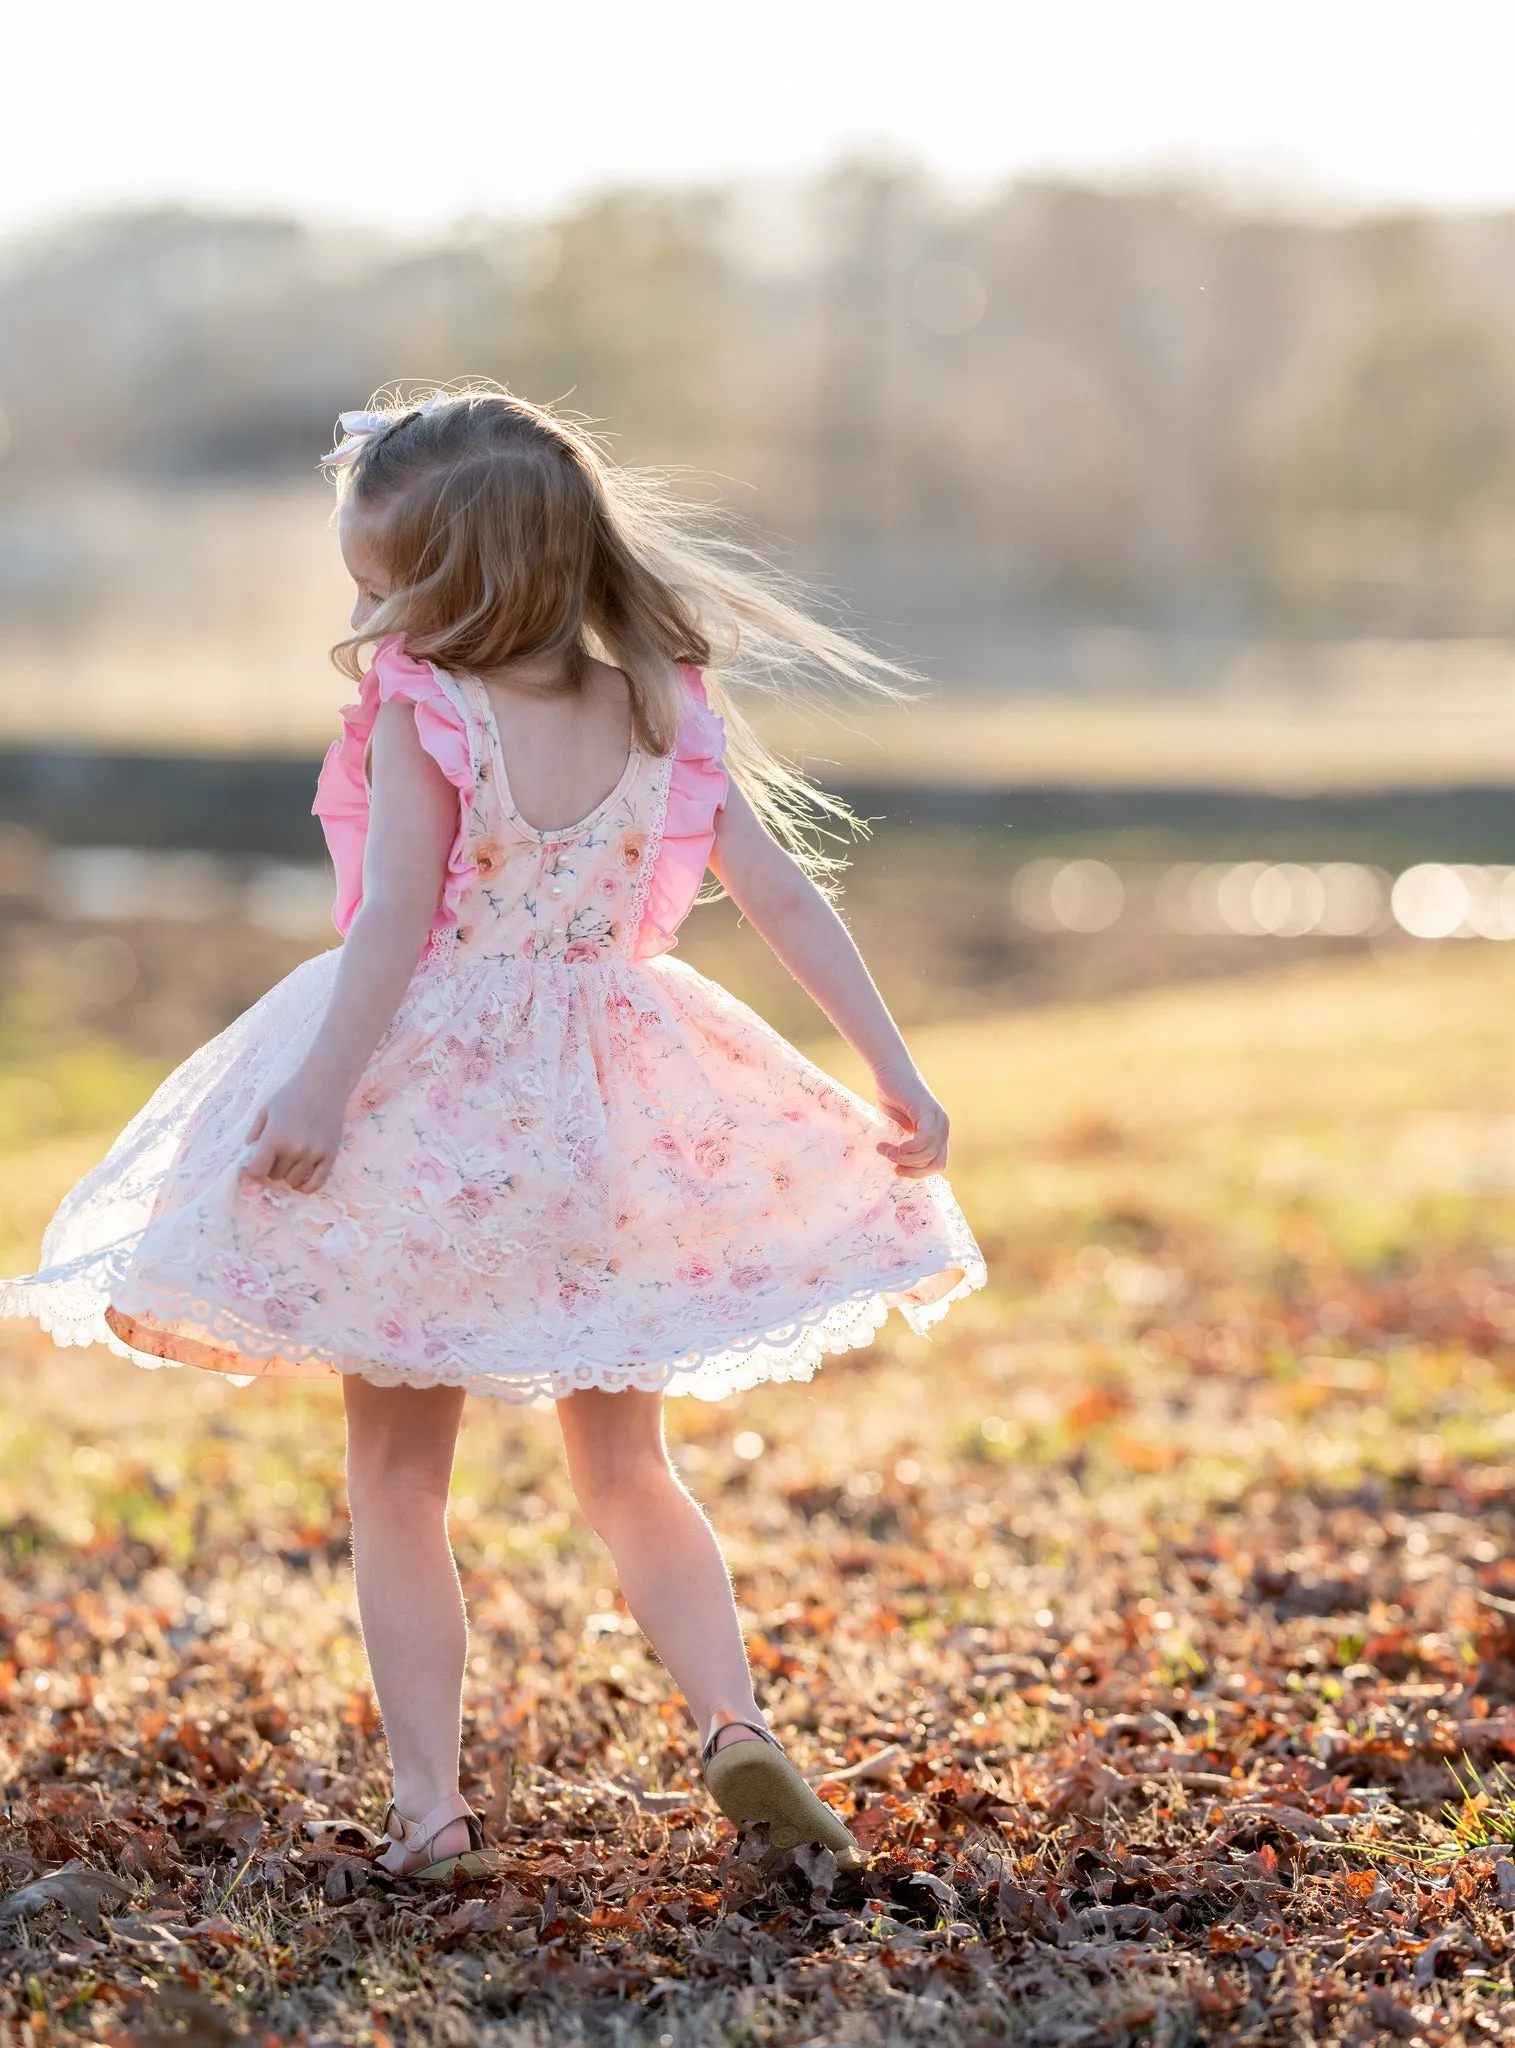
x=574, y=893
x=615, y=885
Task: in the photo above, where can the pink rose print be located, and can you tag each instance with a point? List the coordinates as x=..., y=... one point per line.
x=473, y=1202
x=712, y=1155
x=695, y=1272
x=666, y=1145
x=580, y=951
x=488, y=857
x=608, y=888
x=912, y=1217
x=783, y=1179
x=394, y=1330
x=631, y=849
x=284, y=1311
x=747, y=1277
x=244, y=1278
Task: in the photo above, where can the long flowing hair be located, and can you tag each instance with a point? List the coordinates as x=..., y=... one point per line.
x=509, y=533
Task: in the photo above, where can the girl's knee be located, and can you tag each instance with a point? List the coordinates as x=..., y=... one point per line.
x=617, y=1483
x=616, y=1458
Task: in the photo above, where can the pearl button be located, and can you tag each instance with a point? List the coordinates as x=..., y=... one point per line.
x=556, y=889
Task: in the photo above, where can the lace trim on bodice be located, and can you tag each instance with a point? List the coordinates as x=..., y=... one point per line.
x=642, y=887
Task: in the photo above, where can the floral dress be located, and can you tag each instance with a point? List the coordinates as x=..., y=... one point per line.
x=572, y=1161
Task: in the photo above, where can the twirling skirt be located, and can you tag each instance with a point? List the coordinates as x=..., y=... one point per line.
x=552, y=1177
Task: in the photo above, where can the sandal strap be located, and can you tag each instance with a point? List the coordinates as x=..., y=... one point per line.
x=720, y=1721
x=411, y=1837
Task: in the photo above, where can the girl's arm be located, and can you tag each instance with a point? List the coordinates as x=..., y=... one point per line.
x=413, y=820
x=790, y=914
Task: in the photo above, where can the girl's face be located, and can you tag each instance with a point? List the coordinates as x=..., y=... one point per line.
x=357, y=539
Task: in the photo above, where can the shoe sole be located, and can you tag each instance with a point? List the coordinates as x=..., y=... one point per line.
x=472, y=1863
x=751, y=1782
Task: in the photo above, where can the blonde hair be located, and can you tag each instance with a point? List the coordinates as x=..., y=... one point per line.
x=508, y=533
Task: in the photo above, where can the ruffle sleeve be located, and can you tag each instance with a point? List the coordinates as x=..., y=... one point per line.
x=696, y=791
x=342, y=796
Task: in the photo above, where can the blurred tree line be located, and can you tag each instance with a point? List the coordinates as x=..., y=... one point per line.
x=1146, y=407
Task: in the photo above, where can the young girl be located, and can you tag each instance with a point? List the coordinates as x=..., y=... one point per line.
x=499, y=1141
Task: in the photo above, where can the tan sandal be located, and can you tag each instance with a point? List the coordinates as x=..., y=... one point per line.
x=754, y=1780
x=408, y=1845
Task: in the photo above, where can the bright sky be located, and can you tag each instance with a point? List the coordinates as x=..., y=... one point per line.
x=416, y=114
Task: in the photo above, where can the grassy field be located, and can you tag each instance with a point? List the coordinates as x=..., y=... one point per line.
x=1155, y=1623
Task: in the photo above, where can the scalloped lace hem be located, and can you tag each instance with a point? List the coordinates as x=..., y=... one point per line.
x=722, y=1364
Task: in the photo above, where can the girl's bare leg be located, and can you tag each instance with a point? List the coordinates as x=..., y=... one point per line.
x=400, y=1443
x=672, y=1574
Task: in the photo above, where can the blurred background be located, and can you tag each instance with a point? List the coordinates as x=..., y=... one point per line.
x=1147, y=384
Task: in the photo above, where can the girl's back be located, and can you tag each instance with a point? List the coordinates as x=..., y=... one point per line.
x=566, y=749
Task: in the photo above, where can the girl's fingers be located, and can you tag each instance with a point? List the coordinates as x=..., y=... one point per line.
x=923, y=1148
x=921, y=1156
x=255, y=1128
x=298, y=1167
x=271, y=1162
x=304, y=1172
x=920, y=1146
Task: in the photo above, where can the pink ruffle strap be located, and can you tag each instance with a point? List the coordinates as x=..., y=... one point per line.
x=696, y=791
x=342, y=787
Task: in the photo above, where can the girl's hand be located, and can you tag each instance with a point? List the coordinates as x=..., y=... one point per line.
x=295, y=1137
x=905, y=1099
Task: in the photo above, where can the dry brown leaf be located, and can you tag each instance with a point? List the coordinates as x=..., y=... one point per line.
x=80, y=1890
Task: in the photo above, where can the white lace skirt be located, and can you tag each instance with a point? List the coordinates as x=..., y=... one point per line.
x=552, y=1178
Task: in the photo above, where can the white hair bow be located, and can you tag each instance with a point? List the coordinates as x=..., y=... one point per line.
x=357, y=427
